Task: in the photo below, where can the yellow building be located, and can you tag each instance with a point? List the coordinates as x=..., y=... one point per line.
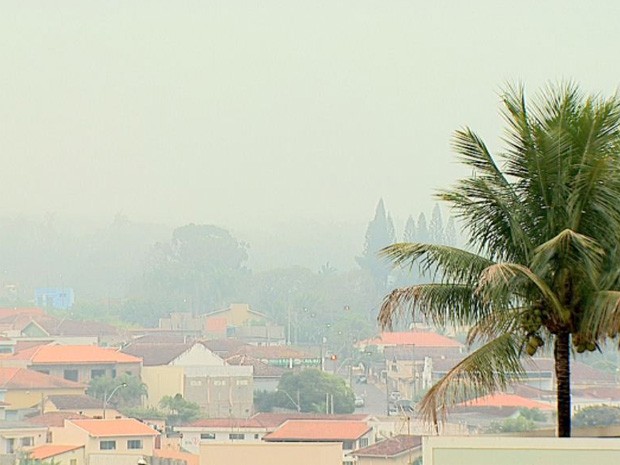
x=22, y=388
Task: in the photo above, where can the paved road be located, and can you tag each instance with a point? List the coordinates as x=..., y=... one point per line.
x=374, y=398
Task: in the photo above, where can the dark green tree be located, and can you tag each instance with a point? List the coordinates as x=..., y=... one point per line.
x=312, y=390
x=544, y=253
x=179, y=410
x=598, y=415
x=129, y=394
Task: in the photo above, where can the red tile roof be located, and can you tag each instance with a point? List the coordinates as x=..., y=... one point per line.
x=413, y=338
x=319, y=430
x=47, y=451
x=22, y=378
x=499, y=400
x=117, y=427
x=391, y=447
x=76, y=355
x=56, y=419
x=191, y=459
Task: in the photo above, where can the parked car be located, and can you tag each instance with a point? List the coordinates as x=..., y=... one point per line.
x=359, y=401
x=394, y=395
x=404, y=405
x=362, y=380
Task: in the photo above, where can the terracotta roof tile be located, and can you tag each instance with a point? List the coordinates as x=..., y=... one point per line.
x=319, y=430
x=56, y=419
x=47, y=451
x=58, y=354
x=22, y=378
x=117, y=427
x=499, y=400
x=191, y=459
x=261, y=369
x=390, y=447
x=272, y=352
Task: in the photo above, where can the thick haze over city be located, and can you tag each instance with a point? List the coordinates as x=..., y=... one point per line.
x=268, y=116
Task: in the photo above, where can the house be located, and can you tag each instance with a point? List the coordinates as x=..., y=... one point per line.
x=280, y=356
x=398, y=450
x=272, y=453
x=426, y=343
x=19, y=436
x=57, y=453
x=242, y=430
x=199, y=375
x=23, y=389
x=217, y=430
x=266, y=377
x=76, y=363
x=83, y=404
x=351, y=435
x=122, y=441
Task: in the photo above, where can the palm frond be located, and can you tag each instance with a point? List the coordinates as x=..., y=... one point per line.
x=499, y=280
x=569, y=250
x=492, y=367
x=454, y=264
x=497, y=323
x=602, y=316
x=440, y=303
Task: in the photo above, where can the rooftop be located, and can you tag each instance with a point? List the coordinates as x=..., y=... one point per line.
x=117, y=427
x=391, y=447
x=273, y=420
x=75, y=403
x=157, y=354
x=47, y=451
x=22, y=378
x=414, y=338
x=56, y=419
x=225, y=423
x=319, y=430
x=75, y=355
x=501, y=400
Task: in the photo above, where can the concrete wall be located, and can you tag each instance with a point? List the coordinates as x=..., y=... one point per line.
x=490, y=450
x=162, y=381
x=191, y=440
x=85, y=371
x=298, y=453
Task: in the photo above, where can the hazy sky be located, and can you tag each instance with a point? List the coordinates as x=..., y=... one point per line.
x=233, y=112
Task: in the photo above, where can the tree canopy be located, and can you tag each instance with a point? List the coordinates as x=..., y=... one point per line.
x=543, y=259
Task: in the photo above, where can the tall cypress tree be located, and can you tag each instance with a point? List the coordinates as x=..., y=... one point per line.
x=435, y=228
x=379, y=234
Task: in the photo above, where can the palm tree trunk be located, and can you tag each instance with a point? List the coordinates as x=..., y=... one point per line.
x=561, y=352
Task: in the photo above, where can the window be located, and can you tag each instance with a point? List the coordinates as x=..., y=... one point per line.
x=134, y=444
x=45, y=372
x=242, y=382
x=256, y=436
x=195, y=383
x=207, y=436
x=219, y=382
x=107, y=445
x=97, y=373
x=348, y=445
x=234, y=436
x=363, y=442
x=71, y=375
x=27, y=442
x=10, y=445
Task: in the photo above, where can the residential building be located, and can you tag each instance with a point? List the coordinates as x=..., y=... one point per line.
x=398, y=450
x=20, y=436
x=272, y=453
x=84, y=405
x=23, y=389
x=217, y=430
x=76, y=363
x=122, y=441
x=351, y=435
x=60, y=454
x=266, y=377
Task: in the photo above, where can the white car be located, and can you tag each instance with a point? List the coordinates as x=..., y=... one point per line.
x=359, y=401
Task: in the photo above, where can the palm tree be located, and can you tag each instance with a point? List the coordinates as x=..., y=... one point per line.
x=543, y=262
